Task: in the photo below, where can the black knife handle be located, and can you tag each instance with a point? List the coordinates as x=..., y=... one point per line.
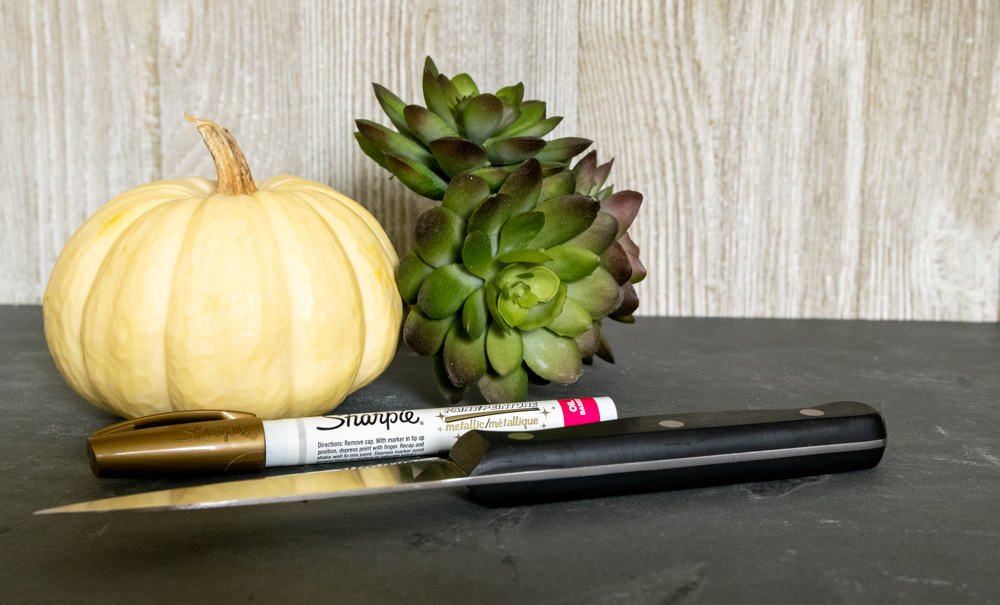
x=674, y=451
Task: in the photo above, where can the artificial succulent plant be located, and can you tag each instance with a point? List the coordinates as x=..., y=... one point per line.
x=513, y=272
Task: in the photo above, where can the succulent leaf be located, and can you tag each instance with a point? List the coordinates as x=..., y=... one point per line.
x=417, y=177
x=510, y=114
x=474, y=318
x=430, y=66
x=601, y=174
x=511, y=307
x=492, y=305
x=615, y=261
x=585, y=171
x=513, y=150
x=491, y=215
x=464, y=357
x=598, y=235
x=493, y=175
x=426, y=125
x=438, y=234
x=370, y=149
x=512, y=95
x=510, y=388
x=539, y=281
x=525, y=294
x=437, y=99
x=518, y=232
x=562, y=150
x=630, y=302
x=477, y=254
x=551, y=356
x=481, y=117
x=451, y=93
x=572, y=321
x=540, y=129
x=565, y=217
x=464, y=194
x=523, y=186
x=598, y=293
x=571, y=263
x=632, y=250
x=558, y=184
x=638, y=270
x=392, y=106
x=466, y=85
x=531, y=113
x=504, y=349
x=603, y=349
x=588, y=342
x=445, y=289
x=423, y=334
x=624, y=206
x=542, y=314
x=451, y=393
x=535, y=378
x=411, y=272
x=391, y=142
x=550, y=168
x=531, y=257
x=455, y=155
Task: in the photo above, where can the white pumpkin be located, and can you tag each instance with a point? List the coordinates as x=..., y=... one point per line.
x=276, y=298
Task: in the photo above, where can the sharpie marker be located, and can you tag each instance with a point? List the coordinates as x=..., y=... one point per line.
x=207, y=441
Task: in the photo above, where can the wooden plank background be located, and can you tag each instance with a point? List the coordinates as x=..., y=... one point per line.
x=799, y=159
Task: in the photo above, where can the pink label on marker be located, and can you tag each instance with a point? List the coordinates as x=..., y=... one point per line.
x=579, y=411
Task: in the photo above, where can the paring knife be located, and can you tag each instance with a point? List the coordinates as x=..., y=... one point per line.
x=670, y=451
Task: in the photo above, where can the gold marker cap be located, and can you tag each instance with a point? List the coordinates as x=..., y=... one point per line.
x=190, y=441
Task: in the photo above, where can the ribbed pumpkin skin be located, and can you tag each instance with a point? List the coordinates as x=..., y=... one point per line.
x=279, y=302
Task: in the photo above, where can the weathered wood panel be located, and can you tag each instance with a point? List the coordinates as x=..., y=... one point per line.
x=833, y=159
x=80, y=124
x=805, y=159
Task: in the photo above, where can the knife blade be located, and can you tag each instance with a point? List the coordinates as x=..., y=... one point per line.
x=668, y=451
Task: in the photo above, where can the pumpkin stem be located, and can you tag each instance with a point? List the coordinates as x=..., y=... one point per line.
x=230, y=163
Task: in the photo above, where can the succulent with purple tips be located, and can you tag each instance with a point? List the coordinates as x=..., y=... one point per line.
x=514, y=271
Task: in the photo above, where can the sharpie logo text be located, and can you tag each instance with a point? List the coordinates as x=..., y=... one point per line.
x=223, y=431
x=386, y=419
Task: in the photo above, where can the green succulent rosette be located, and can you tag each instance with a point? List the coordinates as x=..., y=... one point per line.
x=513, y=272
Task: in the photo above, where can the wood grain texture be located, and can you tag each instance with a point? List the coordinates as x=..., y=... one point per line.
x=805, y=159
x=822, y=159
x=80, y=125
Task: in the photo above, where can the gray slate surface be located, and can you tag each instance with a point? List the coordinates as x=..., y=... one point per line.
x=920, y=528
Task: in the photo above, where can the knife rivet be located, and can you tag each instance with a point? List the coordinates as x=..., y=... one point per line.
x=521, y=436
x=811, y=412
x=671, y=424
